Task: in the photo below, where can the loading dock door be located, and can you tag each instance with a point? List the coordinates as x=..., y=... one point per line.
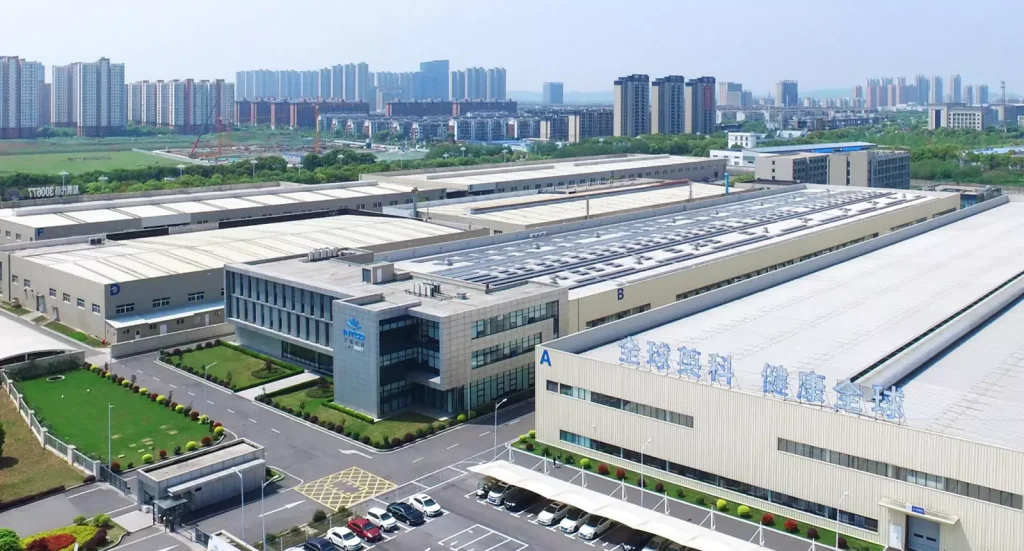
x=922, y=535
x=163, y=328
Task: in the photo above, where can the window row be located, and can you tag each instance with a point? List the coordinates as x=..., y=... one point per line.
x=779, y=266
x=764, y=494
x=618, y=403
x=306, y=302
x=618, y=315
x=511, y=320
x=282, y=321
x=499, y=352
x=967, y=489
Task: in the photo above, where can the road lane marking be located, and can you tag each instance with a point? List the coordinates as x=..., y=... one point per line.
x=452, y=446
x=209, y=402
x=172, y=386
x=512, y=422
x=415, y=460
x=230, y=411
x=139, y=370
x=190, y=394
x=253, y=420
x=88, y=491
x=279, y=509
x=277, y=431
x=484, y=433
x=156, y=379
x=354, y=452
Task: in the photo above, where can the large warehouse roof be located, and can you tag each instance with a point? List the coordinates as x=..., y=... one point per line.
x=841, y=320
x=125, y=209
x=638, y=165
x=120, y=261
x=593, y=260
x=543, y=209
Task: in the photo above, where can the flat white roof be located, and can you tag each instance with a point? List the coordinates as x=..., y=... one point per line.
x=841, y=320
x=121, y=261
x=18, y=340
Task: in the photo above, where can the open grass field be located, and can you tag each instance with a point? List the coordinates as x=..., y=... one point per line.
x=26, y=468
x=243, y=370
x=77, y=163
x=75, y=410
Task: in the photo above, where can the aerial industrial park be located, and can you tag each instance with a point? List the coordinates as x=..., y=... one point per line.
x=329, y=308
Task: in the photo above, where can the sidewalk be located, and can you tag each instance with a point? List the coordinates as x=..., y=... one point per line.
x=252, y=393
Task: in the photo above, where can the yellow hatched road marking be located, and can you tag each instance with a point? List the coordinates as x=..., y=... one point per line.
x=323, y=490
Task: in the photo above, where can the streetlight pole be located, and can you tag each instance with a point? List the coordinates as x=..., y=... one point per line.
x=180, y=169
x=463, y=148
x=496, y=406
x=110, y=439
x=206, y=382
x=253, y=163
x=845, y=493
x=241, y=485
x=643, y=481
x=63, y=177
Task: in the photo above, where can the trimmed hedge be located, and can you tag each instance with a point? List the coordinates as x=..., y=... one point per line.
x=351, y=412
x=301, y=386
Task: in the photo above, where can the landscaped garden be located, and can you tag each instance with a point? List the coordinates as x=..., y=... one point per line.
x=26, y=468
x=228, y=365
x=16, y=310
x=145, y=427
x=89, y=535
x=313, y=401
x=79, y=336
x=823, y=536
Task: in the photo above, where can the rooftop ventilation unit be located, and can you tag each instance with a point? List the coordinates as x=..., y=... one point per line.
x=462, y=295
x=95, y=240
x=448, y=262
x=323, y=253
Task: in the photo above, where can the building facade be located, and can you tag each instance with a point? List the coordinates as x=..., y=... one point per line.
x=553, y=93
x=869, y=168
x=955, y=92
x=436, y=76
x=632, y=106
x=458, y=86
x=496, y=84
x=21, y=91
x=89, y=97
x=590, y=123
x=667, y=105
x=700, y=109
x=787, y=94
x=960, y=117
x=936, y=91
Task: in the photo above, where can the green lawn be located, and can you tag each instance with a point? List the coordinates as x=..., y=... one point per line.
x=79, y=336
x=827, y=537
x=79, y=162
x=26, y=468
x=18, y=311
x=245, y=371
x=75, y=410
x=393, y=427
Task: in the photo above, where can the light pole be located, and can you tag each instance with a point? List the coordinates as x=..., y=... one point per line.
x=445, y=156
x=206, y=381
x=463, y=148
x=102, y=179
x=180, y=169
x=241, y=485
x=263, y=518
x=496, y=406
x=837, y=517
x=63, y=177
x=643, y=481
x=110, y=439
x=253, y=163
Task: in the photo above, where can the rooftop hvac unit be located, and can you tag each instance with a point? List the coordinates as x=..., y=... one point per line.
x=462, y=295
x=95, y=240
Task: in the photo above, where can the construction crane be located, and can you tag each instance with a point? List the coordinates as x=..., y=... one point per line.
x=202, y=130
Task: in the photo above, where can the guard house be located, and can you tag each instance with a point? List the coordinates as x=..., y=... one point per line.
x=207, y=477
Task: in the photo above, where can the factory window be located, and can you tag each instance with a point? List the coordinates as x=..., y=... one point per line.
x=95, y=308
x=512, y=320
x=618, y=315
x=179, y=321
x=28, y=283
x=17, y=236
x=14, y=279
x=625, y=405
x=124, y=308
x=53, y=293
x=751, y=490
x=198, y=296
x=552, y=386
x=880, y=468
x=67, y=298
x=161, y=302
x=7, y=234
x=500, y=352
x=81, y=303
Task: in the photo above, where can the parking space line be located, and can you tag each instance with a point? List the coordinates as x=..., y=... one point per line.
x=230, y=411
x=253, y=420
x=190, y=394
x=156, y=379
x=507, y=539
x=211, y=403
x=415, y=460
x=275, y=430
x=452, y=446
x=172, y=386
x=488, y=534
x=484, y=433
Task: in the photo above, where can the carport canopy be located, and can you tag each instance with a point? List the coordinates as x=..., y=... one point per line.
x=19, y=343
x=625, y=513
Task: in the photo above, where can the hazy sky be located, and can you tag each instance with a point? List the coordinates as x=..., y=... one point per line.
x=584, y=43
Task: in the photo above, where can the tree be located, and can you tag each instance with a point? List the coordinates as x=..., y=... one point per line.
x=9, y=540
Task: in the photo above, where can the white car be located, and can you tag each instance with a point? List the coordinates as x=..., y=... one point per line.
x=497, y=494
x=381, y=519
x=425, y=504
x=345, y=539
x=552, y=514
x=674, y=547
x=573, y=520
x=657, y=543
x=594, y=527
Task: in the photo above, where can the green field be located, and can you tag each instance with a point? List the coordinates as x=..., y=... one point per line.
x=75, y=410
x=242, y=370
x=78, y=162
x=26, y=468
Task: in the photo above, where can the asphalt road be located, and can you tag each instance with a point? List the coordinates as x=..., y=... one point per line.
x=57, y=511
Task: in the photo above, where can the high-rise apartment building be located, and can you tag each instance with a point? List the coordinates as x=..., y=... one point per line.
x=923, y=89
x=349, y=82
x=44, y=103
x=553, y=93
x=141, y=103
x=458, y=86
x=436, y=76
x=476, y=83
x=632, y=106
x=730, y=94
x=858, y=92
x=183, y=105
x=935, y=91
x=787, y=94
x=699, y=112
x=667, y=110
x=89, y=97
x=968, y=95
x=364, y=83
x=955, y=92
x=323, y=81
x=591, y=123
x=983, y=94
x=21, y=84
x=496, y=90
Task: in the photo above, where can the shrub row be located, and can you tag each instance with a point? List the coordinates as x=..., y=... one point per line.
x=351, y=412
x=290, y=369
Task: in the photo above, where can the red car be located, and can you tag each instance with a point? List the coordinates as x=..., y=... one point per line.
x=364, y=529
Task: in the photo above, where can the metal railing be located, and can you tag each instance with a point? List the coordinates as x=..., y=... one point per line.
x=114, y=480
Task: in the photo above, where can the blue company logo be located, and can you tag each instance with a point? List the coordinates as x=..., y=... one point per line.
x=545, y=358
x=115, y=289
x=354, y=330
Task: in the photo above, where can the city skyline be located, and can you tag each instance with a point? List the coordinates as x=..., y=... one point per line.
x=232, y=47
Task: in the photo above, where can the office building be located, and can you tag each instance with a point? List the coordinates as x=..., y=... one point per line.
x=89, y=97
x=968, y=95
x=21, y=86
x=730, y=94
x=458, y=91
x=591, y=123
x=960, y=117
x=496, y=87
x=983, y=94
x=632, y=106
x=435, y=79
x=454, y=328
x=874, y=428
x=923, y=89
x=876, y=168
x=787, y=94
x=553, y=93
x=936, y=91
x=748, y=156
x=667, y=105
x=954, y=94
x=699, y=109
